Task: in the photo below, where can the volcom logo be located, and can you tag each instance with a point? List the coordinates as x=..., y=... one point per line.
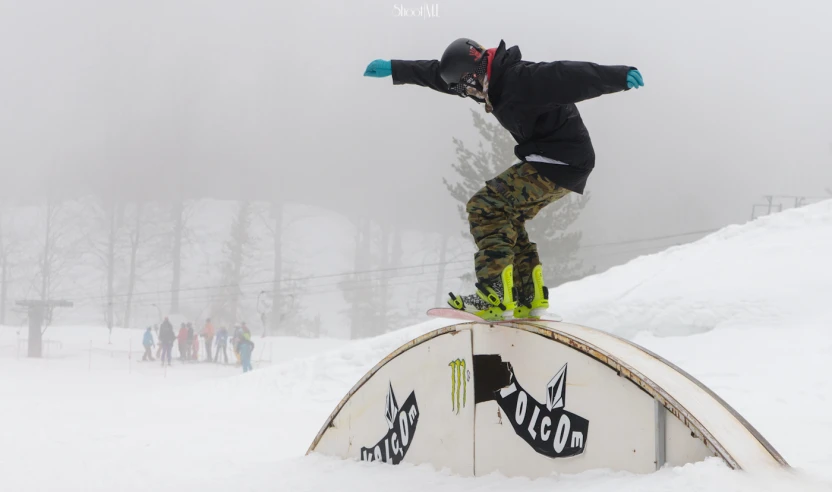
x=547, y=428
x=401, y=423
x=459, y=384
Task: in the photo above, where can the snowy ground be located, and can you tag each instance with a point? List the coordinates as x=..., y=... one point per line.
x=745, y=310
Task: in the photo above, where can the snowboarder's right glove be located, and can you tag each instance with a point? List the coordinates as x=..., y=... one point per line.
x=379, y=68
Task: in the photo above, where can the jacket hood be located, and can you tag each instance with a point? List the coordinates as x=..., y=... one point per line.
x=503, y=58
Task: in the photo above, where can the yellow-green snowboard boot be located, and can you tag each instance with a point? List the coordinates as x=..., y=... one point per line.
x=492, y=301
x=537, y=306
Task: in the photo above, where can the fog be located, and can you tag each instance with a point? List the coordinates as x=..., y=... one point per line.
x=192, y=189
x=265, y=100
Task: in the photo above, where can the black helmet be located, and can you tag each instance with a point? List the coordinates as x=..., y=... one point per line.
x=460, y=57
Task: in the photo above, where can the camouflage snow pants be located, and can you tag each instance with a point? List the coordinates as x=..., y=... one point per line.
x=497, y=215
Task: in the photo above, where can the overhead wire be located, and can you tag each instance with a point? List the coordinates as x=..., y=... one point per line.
x=139, y=295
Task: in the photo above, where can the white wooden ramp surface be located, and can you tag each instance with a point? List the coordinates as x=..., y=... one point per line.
x=529, y=398
x=721, y=427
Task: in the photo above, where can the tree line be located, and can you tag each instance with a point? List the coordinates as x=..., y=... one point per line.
x=122, y=247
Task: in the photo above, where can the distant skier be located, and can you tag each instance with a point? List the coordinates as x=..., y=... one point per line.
x=166, y=338
x=182, y=337
x=208, y=336
x=535, y=102
x=147, y=342
x=222, y=343
x=194, y=343
x=235, y=342
x=189, y=341
x=246, y=347
x=159, y=346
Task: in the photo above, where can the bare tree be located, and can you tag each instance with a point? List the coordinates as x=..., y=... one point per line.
x=381, y=300
x=55, y=250
x=390, y=255
x=8, y=246
x=368, y=290
x=145, y=230
x=135, y=237
x=60, y=250
x=124, y=241
x=106, y=214
x=284, y=309
x=273, y=310
x=179, y=236
x=357, y=288
x=178, y=216
x=4, y=275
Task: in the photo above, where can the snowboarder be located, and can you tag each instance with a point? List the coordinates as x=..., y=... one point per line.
x=246, y=347
x=535, y=102
x=147, y=342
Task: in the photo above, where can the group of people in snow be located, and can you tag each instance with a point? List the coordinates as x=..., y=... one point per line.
x=214, y=343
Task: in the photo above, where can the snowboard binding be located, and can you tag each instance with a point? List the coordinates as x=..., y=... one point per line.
x=539, y=303
x=490, y=302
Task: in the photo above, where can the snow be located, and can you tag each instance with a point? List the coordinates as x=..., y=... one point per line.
x=743, y=310
x=767, y=271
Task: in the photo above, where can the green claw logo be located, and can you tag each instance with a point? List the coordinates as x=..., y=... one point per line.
x=459, y=381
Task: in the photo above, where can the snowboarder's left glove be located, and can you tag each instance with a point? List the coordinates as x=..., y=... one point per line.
x=379, y=68
x=634, y=79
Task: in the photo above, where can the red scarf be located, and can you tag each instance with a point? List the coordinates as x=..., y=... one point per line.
x=490, y=54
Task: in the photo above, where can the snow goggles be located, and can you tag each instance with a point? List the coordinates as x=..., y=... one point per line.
x=467, y=80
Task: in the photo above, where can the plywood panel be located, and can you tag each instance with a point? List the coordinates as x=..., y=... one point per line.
x=621, y=424
x=418, y=408
x=680, y=446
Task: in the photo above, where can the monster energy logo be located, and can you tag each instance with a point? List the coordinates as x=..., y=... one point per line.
x=459, y=384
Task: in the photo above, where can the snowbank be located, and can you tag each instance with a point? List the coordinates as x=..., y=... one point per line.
x=772, y=271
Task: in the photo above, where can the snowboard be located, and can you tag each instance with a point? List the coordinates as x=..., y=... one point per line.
x=451, y=313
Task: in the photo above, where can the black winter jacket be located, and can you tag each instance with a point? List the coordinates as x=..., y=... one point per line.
x=536, y=103
x=166, y=332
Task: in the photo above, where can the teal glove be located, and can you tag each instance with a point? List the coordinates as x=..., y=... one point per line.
x=634, y=79
x=379, y=68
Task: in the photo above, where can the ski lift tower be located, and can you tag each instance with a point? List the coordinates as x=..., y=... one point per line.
x=39, y=311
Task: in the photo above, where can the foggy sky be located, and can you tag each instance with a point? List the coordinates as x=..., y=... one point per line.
x=258, y=99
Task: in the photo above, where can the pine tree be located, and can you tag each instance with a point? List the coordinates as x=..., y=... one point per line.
x=238, y=252
x=558, y=248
